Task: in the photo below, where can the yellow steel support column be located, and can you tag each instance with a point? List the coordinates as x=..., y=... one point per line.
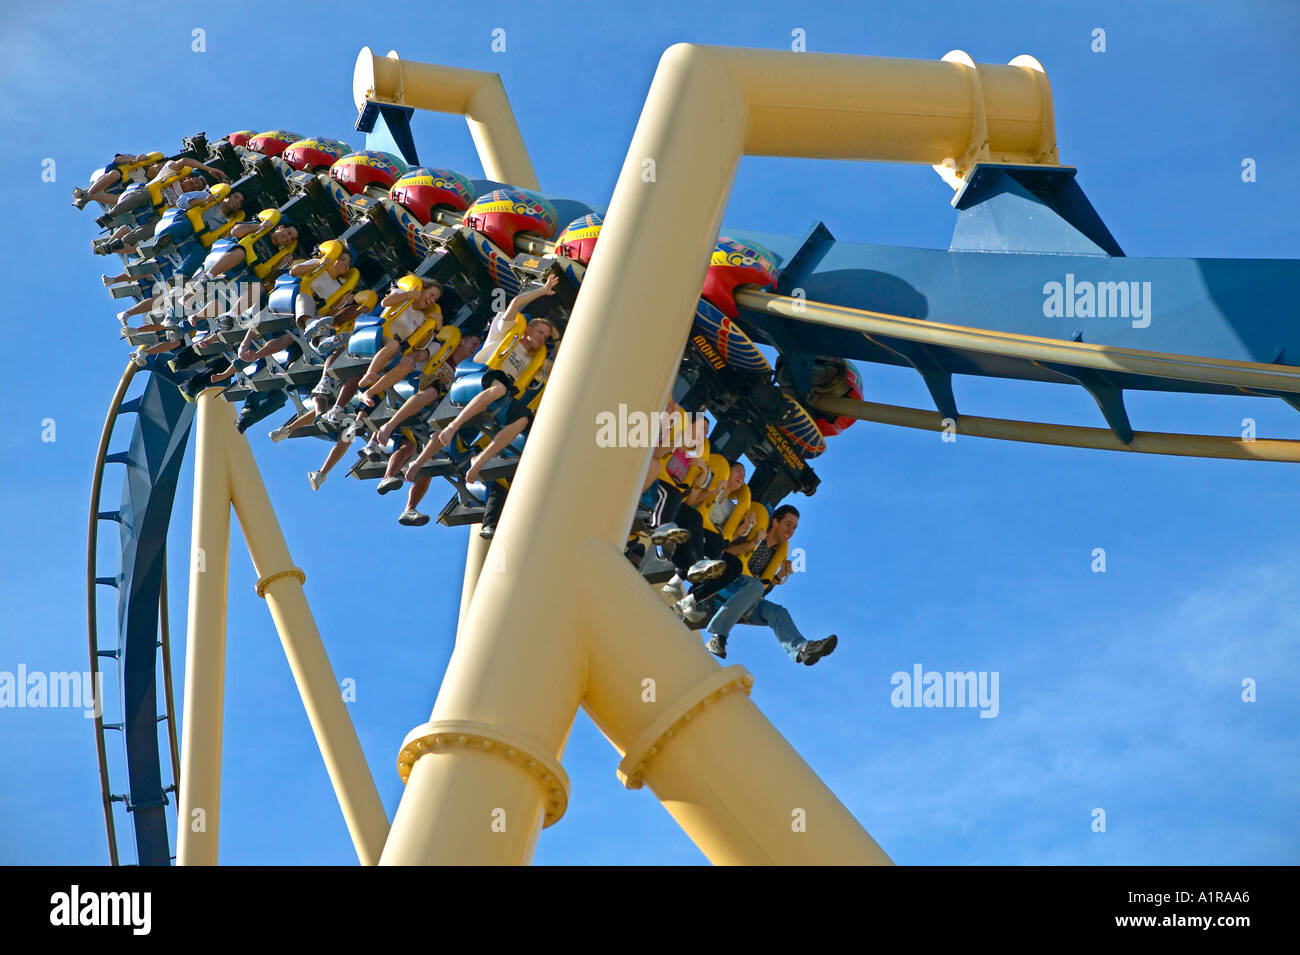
x=198, y=810
x=225, y=474
x=535, y=640
x=478, y=96
x=280, y=582
x=689, y=731
x=475, y=553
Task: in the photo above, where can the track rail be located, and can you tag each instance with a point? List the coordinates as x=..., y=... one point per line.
x=93, y=581
x=1246, y=375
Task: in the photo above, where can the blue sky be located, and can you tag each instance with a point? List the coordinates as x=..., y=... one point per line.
x=1119, y=691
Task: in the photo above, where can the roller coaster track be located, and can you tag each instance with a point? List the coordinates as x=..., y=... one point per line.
x=1251, y=378
x=152, y=461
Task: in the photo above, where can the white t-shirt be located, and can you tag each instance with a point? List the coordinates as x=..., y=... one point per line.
x=172, y=191
x=721, y=511
x=519, y=357
x=406, y=322
x=515, y=362
x=325, y=285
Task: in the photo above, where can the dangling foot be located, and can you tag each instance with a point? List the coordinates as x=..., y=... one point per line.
x=413, y=518
x=814, y=650
x=315, y=479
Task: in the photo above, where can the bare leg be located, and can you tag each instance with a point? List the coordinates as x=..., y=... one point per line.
x=345, y=394
x=148, y=305
x=335, y=455
x=410, y=406
x=228, y=261
x=162, y=347
x=426, y=453
x=304, y=419
x=476, y=405
x=390, y=378
x=246, y=352
x=502, y=438
x=400, y=457
x=98, y=190
x=382, y=358
x=419, y=487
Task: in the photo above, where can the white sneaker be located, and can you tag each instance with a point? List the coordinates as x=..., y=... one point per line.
x=705, y=569
x=674, y=589
x=139, y=357
x=333, y=417
x=280, y=433
x=686, y=607
x=316, y=479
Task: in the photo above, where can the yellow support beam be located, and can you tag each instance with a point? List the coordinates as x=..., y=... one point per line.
x=478, y=96
x=225, y=473
x=556, y=619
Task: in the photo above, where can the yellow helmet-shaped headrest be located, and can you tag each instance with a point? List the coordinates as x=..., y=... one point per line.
x=331, y=250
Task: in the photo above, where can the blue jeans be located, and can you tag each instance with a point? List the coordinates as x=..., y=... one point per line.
x=744, y=603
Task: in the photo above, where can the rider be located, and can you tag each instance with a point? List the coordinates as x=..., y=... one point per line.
x=765, y=567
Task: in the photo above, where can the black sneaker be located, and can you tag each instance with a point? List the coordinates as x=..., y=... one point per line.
x=814, y=650
x=717, y=646
x=191, y=387
x=487, y=532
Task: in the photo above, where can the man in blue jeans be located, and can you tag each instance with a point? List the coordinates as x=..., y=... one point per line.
x=744, y=602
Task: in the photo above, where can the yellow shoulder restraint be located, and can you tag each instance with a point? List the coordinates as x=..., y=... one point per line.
x=719, y=470
x=741, y=496
x=450, y=338
x=507, y=345
x=125, y=169
x=270, y=218
x=194, y=213
x=759, y=531
x=329, y=254
x=687, y=483
x=426, y=329
x=367, y=300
